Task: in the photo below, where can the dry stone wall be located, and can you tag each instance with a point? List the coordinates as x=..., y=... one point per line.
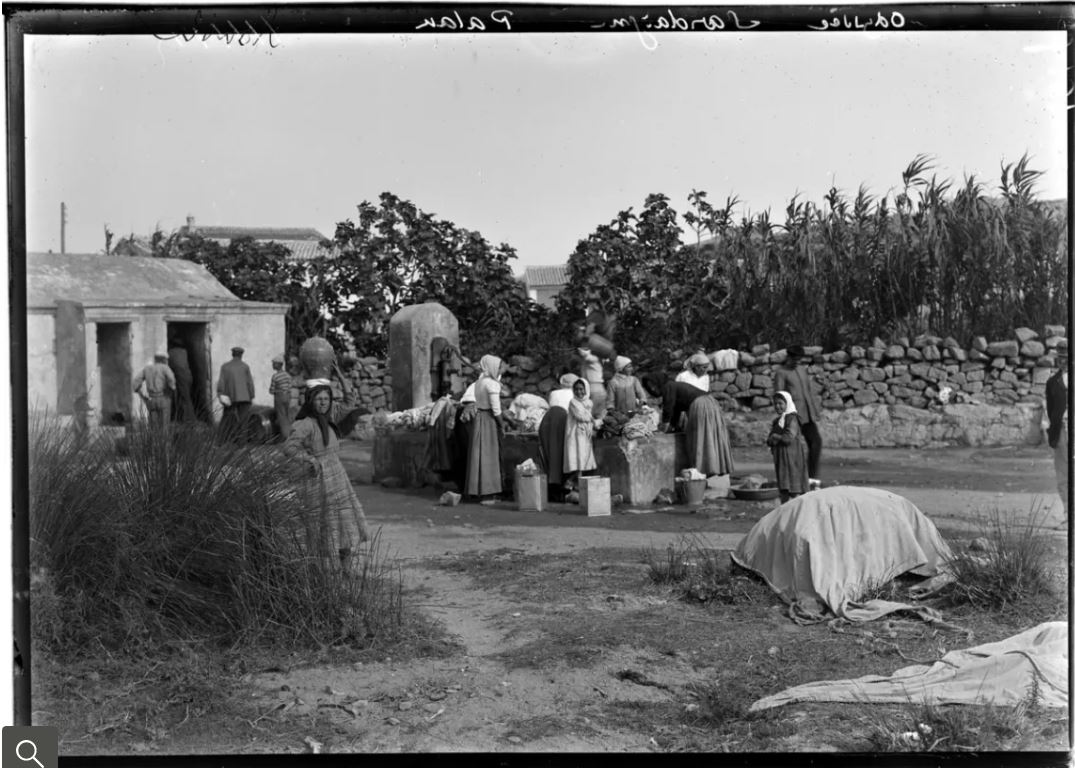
x=921, y=392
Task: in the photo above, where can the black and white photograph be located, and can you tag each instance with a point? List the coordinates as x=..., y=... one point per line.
x=532, y=379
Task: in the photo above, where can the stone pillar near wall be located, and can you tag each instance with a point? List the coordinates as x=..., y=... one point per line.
x=411, y=333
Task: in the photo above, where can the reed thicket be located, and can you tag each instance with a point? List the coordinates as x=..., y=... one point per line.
x=184, y=538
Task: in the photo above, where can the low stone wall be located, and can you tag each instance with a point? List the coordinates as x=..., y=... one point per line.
x=899, y=426
x=876, y=395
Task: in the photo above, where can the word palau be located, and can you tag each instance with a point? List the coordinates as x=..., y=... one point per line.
x=455, y=22
x=894, y=20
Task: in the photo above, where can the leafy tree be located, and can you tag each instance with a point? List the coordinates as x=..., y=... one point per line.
x=256, y=271
x=397, y=255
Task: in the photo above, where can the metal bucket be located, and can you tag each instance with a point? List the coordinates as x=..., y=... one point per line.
x=690, y=492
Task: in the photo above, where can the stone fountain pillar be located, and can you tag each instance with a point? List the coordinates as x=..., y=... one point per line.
x=415, y=333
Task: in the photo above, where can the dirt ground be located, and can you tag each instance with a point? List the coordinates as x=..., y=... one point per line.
x=562, y=644
x=479, y=700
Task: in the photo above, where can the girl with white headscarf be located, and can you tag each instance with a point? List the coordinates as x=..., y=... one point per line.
x=786, y=442
x=483, y=465
x=578, y=439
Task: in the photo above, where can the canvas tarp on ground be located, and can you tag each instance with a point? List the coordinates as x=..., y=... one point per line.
x=1000, y=673
x=819, y=550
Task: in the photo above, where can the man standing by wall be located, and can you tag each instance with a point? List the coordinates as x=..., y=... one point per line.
x=159, y=383
x=791, y=378
x=280, y=389
x=1056, y=406
x=235, y=389
x=184, y=380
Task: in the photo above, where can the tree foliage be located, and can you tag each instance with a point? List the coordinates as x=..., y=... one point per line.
x=396, y=255
x=257, y=271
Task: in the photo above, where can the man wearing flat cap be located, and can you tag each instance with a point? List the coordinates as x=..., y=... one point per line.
x=1056, y=407
x=159, y=383
x=793, y=379
x=235, y=390
x=280, y=389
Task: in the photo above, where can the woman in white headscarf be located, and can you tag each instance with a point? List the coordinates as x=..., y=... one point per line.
x=483, y=464
x=786, y=442
x=552, y=433
x=696, y=371
x=708, y=447
x=578, y=440
x=624, y=390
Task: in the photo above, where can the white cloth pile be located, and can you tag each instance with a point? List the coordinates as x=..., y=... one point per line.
x=528, y=411
x=1001, y=673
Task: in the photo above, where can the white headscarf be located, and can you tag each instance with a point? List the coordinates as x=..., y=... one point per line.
x=490, y=366
x=790, y=407
x=568, y=380
x=621, y=363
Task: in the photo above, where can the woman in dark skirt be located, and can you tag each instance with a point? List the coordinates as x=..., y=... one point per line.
x=708, y=447
x=788, y=445
x=483, y=466
x=462, y=435
x=676, y=402
x=551, y=434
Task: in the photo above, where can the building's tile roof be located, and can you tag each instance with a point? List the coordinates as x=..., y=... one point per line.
x=94, y=277
x=303, y=242
x=278, y=234
x=545, y=276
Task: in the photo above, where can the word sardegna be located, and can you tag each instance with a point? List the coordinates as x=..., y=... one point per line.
x=669, y=21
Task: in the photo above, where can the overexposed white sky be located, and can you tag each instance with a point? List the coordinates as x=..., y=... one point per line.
x=531, y=139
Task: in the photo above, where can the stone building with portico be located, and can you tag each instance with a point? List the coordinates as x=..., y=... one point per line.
x=93, y=321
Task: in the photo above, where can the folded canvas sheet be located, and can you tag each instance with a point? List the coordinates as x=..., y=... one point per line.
x=820, y=549
x=999, y=673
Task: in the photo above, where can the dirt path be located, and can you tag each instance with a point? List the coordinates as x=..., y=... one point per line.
x=473, y=701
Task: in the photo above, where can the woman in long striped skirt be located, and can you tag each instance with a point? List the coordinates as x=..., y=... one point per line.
x=707, y=437
x=483, y=466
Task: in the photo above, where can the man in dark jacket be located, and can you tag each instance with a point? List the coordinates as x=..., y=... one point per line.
x=793, y=379
x=184, y=380
x=235, y=389
x=1056, y=406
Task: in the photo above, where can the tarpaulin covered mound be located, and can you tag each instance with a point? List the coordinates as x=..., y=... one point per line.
x=821, y=549
x=1001, y=673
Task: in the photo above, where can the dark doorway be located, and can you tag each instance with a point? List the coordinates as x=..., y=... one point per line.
x=194, y=339
x=114, y=364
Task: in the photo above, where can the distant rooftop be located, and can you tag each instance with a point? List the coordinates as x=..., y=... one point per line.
x=535, y=277
x=276, y=234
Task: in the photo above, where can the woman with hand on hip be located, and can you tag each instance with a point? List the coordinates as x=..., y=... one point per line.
x=335, y=521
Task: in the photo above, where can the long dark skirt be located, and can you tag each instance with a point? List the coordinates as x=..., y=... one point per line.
x=551, y=443
x=459, y=446
x=483, y=466
x=707, y=438
x=438, y=449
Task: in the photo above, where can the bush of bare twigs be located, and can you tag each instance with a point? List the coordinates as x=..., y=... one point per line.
x=183, y=538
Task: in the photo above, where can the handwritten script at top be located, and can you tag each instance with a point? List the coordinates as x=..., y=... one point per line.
x=670, y=21
x=244, y=38
x=893, y=20
x=498, y=20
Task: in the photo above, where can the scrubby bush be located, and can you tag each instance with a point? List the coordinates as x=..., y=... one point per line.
x=702, y=573
x=184, y=538
x=1010, y=567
